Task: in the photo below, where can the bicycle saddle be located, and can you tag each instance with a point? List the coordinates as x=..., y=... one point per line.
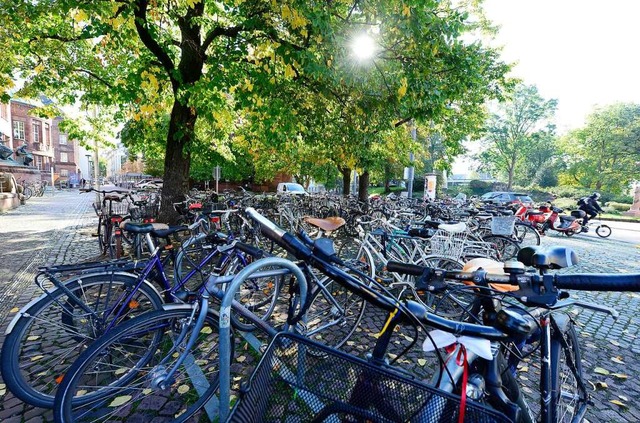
x=329, y=224
x=551, y=258
x=454, y=228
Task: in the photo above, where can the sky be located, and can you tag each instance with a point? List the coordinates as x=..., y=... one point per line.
x=581, y=52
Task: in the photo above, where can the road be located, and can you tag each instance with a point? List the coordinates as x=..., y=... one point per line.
x=620, y=231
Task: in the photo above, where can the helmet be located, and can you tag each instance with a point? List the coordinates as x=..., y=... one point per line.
x=595, y=195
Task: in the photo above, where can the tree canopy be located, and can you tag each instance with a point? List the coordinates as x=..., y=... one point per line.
x=271, y=83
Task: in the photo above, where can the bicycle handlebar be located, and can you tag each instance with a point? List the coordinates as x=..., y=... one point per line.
x=115, y=190
x=578, y=282
x=410, y=309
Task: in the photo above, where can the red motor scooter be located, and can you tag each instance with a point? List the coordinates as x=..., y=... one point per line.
x=568, y=225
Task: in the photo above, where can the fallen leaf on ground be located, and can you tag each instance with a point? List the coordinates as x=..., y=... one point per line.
x=617, y=359
x=601, y=385
x=619, y=403
x=422, y=361
x=118, y=401
x=619, y=375
x=601, y=371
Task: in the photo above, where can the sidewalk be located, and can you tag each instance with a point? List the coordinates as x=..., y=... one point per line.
x=48, y=230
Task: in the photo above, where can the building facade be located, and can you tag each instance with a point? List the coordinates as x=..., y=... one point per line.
x=54, y=154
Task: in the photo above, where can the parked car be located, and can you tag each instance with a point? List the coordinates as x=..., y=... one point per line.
x=149, y=184
x=291, y=188
x=503, y=197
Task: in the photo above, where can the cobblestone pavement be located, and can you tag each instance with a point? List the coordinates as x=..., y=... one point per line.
x=57, y=229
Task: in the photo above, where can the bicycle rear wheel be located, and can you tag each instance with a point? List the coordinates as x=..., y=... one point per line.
x=526, y=235
x=48, y=335
x=603, y=231
x=122, y=373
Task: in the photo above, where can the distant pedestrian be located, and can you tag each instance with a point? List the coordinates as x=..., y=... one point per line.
x=83, y=182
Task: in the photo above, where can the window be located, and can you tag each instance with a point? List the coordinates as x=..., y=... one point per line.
x=47, y=134
x=37, y=132
x=3, y=111
x=64, y=172
x=64, y=157
x=63, y=139
x=39, y=162
x=18, y=130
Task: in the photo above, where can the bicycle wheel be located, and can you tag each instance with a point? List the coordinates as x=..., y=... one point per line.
x=27, y=192
x=196, y=257
x=505, y=248
x=334, y=313
x=121, y=374
x=104, y=235
x=115, y=244
x=258, y=295
x=526, y=235
x=603, y=231
x=48, y=335
x=567, y=397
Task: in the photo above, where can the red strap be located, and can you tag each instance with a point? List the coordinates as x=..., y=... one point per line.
x=462, y=355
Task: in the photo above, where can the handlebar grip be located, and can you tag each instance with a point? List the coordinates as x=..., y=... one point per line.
x=270, y=229
x=249, y=249
x=601, y=282
x=405, y=268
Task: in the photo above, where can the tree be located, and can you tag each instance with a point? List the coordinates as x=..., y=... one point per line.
x=604, y=154
x=516, y=132
x=195, y=59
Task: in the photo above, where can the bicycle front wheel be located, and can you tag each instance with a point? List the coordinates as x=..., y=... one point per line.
x=504, y=248
x=47, y=336
x=568, y=393
x=526, y=235
x=123, y=373
x=27, y=192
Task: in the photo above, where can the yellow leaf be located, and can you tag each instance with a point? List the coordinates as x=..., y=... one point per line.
x=120, y=371
x=601, y=385
x=623, y=398
x=422, y=361
x=118, y=401
x=146, y=391
x=289, y=72
x=617, y=359
x=619, y=375
x=241, y=359
x=403, y=88
x=37, y=357
x=206, y=330
x=523, y=369
x=14, y=310
x=318, y=38
x=33, y=338
x=80, y=16
x=183, y=389
x=406, y=11
x=39, y=68
x=192, y=3
x=619, y=403
x=601, y=371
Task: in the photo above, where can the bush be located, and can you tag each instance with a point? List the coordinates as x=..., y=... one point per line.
x=565, y=203
x=621, y=207
x=479, y=187
x=610, y=210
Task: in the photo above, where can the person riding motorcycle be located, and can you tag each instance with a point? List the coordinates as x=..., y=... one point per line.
x=590, y=206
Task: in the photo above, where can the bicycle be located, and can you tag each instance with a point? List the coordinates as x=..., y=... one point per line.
x=47, y=333
x=602, y=230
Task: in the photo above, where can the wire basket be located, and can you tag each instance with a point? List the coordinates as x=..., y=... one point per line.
x=448, y=245
x=299, y=380
x=147, y=211
x=502, y=225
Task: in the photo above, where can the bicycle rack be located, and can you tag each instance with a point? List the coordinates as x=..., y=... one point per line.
x=225, y=321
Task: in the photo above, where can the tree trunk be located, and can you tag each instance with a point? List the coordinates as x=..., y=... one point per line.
x=346, y=181
x=387, y=177
x=177, y=160
x=363, y=187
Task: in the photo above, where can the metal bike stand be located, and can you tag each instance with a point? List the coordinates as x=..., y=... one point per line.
x=225, y=321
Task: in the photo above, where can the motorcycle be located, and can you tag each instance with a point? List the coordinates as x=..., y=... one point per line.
x=568, y=225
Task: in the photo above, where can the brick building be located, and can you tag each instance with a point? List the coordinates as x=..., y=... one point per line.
x=42, y=136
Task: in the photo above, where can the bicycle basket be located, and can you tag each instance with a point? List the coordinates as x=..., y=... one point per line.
x=502, y=225
x=299, y=380
x=449, y=245
x=147, y=211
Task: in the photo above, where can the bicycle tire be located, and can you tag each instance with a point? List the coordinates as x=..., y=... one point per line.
x=104, y=235
x=505, y=247
x=46, y=330
x=566, y=371
x=332, y=321
x=191, y=256
x=132, y=359
x=526, y=235
x=603, y=231
x=27, y=192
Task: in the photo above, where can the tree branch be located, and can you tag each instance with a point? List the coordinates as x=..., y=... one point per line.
x=93, y=75
x=220, y=31
x=150, y=43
